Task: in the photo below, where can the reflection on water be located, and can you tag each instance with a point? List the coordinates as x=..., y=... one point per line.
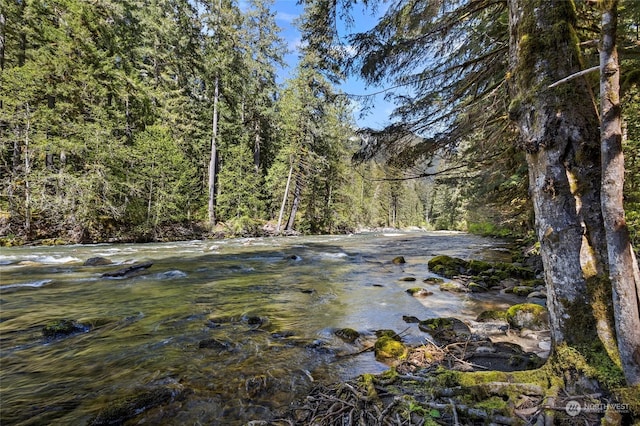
x=215, y=332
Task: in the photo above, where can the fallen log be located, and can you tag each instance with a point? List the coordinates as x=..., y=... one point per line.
x=128, y=271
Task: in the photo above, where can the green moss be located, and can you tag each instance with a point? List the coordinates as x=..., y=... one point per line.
x=62, y=328
x=388, y=348
x=437, y=323
x=493, y=405
x=535, y=315
x=447, y=266
x=591, y=360
x=478, y=266
x=492, y=315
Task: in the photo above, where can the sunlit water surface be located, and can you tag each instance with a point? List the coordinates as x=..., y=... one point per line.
x=274, y=304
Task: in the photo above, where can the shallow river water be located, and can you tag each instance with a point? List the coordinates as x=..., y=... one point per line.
x=215, y=332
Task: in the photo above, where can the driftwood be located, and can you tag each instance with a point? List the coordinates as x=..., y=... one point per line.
x=128, y=271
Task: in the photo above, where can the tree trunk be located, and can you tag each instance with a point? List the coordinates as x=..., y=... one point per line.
x=297, y=196
x=284, y=199
x=213, y=160
x=558, y=129
x=621, y=259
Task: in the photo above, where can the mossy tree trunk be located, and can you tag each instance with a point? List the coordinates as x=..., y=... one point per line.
x=623, y=267
x=558, y=129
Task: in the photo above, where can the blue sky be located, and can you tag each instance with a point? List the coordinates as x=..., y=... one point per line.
x=287, y=11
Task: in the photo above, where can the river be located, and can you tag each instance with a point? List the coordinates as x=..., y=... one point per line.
x=218, y=331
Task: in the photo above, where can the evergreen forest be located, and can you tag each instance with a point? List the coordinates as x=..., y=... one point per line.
x=153, y=120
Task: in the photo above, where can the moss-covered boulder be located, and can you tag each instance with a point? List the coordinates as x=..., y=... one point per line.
x=433, y=280
x=528, y=315
x=454, y=287
x=63, y=328
x=386, y=348
x=522, y=290
x=447, y=266
x=491, y=315
x=477, y=287
x=398, y=260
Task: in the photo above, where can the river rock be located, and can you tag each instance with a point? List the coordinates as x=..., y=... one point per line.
x=349, y=335
x=388, y=348
x=216, y=344
x=537, y=295
x=409, y=279
x=398, y=260
x=454, y=287
x=522, y=290
x=63, y=328
x=419, y=292
x=528, y=315
x=477, y=288
x=119, y=411
x=97, y=261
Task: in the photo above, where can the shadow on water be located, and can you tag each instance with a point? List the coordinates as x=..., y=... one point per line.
x=217, y=332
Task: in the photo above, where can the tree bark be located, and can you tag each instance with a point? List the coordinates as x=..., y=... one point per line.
x=284, y=199
x=620, y=253
x=297, y=198
x=558, y=129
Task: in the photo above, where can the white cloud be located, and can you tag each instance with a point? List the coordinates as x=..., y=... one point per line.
x=286, y=17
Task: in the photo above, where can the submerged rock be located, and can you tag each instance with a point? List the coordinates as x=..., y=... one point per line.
x=349, y=335
x=97, y=261
x=215, y=344
x=63, y=328
x=118, y=412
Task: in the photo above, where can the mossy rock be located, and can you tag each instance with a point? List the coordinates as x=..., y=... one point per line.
x=97, y=261
x=398, y=260
x=419, y=292
x=454, y=287
x=410, y=279
x=215, y=344
x=528, y=315
x=433, y=280
x=521, y=290
x=478, y=266
x=448, y=266
x=122, y=410
x=515, y=271
x=491, y=315
x=388, y=333
x=63, y=328
x=476, y=287
x=347, y=334
x=387, y=347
